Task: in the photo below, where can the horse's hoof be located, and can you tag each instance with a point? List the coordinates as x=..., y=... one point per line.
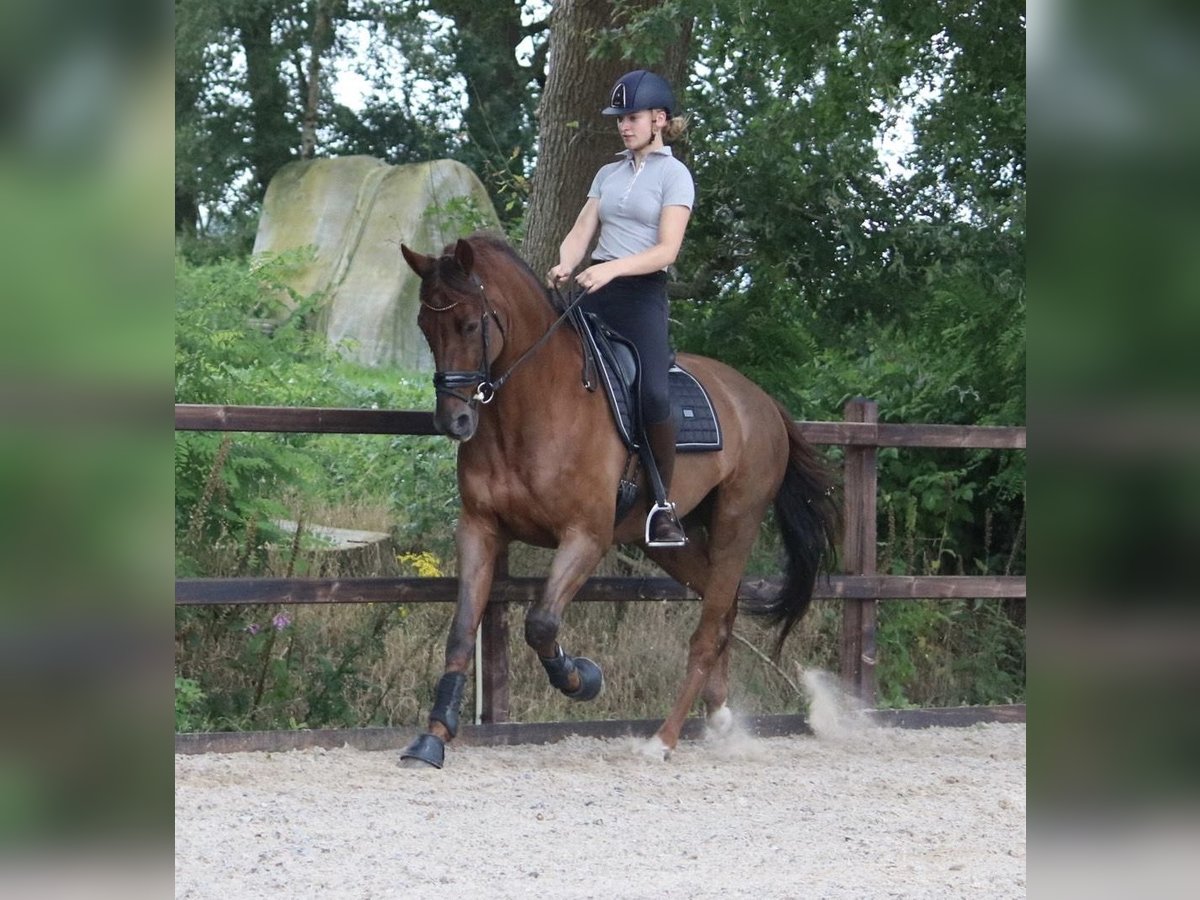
x=656, y=750
x=426, y=750
x=720, y=723
x=591, y=680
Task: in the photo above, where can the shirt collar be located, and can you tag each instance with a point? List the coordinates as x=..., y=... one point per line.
x=661, y=151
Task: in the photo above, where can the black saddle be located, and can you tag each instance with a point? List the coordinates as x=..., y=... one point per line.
x=615, y=363
x=696, y=423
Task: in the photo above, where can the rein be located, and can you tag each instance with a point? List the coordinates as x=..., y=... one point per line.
x=485, y=387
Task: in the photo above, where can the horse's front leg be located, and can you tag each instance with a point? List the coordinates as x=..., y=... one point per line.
x=577, y=557
x=477, y=550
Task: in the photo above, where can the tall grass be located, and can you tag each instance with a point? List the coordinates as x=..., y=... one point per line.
x=258, y=667
x=376, y=664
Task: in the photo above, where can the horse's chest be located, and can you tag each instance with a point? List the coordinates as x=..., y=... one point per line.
x=536, y=501
x=510, y=498
x=513, y=498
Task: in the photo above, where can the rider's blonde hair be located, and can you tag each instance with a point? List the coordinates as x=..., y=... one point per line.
x=674, y=129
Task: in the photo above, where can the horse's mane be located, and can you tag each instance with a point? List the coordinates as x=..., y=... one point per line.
x=488, y=246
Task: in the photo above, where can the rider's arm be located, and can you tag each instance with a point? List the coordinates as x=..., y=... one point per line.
x=577, y=241
x=672, y=223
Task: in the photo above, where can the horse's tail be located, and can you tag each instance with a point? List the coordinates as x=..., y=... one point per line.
x=807, y=514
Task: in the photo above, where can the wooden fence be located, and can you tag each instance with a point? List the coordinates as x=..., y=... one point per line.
x=860, y=587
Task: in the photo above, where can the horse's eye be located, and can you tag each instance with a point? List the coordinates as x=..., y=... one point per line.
x=471, y=327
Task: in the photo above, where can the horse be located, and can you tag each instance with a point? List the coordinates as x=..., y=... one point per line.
x=539, y=461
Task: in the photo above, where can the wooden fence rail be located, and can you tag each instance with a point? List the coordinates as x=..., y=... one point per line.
x=199, y=417
x=859, y=587
x=243, y=591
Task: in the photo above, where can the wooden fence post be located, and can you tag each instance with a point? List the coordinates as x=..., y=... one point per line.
x=494, y=638
x=858, y=556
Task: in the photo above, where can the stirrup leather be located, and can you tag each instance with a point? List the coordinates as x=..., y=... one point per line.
x=668, y=508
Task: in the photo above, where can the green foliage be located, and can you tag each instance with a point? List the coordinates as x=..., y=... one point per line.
x=239, y=330
x=458, y=216
x=501, y=94
x=189, y=703
x=277, y=669
x=791, y=192
x=241, y=339
x=949, y=653
x=826, y=277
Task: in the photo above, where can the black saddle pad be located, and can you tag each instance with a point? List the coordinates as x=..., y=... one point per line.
x=697, y=426
x=695, y=418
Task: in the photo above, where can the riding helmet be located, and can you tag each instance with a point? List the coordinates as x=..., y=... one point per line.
x=639, y=89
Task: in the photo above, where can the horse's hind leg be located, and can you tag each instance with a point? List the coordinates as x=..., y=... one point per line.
x=731, y=538
x=689, y=565
x=715, y=693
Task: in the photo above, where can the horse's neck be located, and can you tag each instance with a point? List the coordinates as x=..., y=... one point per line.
x=528, y=344
x=540, y=394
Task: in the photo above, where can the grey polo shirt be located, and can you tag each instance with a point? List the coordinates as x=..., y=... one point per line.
x=632, y=200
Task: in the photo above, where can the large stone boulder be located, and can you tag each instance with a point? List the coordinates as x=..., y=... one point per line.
x=355, y=211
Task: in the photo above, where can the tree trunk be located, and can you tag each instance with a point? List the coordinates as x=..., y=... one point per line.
x=272, y=139
x=574, y=139
x=322, y=39
x=187, y=211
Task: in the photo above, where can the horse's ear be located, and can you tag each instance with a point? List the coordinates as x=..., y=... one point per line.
x=422, y=265
x=464, y=256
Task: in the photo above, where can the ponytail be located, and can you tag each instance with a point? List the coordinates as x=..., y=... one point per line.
x=674, y=129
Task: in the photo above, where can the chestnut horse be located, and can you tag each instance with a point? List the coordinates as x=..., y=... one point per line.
x=539, y=461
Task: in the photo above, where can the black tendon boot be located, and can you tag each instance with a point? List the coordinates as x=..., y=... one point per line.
x=663, y=528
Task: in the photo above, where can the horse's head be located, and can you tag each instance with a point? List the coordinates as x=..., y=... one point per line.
x=464, y=333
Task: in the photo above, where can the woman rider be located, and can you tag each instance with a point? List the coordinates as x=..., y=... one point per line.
x=640, y=204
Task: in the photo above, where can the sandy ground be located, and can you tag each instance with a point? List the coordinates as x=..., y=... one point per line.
x=852, y=813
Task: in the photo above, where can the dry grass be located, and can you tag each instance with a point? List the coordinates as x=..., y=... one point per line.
x=641, y=646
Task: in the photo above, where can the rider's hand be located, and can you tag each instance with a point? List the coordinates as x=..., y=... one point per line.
x=557, y=275
x=596, y=277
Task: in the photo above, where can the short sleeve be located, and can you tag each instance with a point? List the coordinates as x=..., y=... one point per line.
x=678, y=188
x=594, y=190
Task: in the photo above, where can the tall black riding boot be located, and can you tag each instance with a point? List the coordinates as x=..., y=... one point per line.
x=663, y=528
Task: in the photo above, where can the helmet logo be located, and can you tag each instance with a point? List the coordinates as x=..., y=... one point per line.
x=618, y=96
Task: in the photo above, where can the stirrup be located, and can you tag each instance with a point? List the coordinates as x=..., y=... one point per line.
x=669, y=509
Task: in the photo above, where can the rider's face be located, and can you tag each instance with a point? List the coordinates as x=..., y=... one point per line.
x=637, y=129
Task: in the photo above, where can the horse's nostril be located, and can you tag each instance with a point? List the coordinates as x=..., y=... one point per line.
x=460, y=425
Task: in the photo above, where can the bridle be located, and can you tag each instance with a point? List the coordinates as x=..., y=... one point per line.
x=479, y=381
x=451, y=383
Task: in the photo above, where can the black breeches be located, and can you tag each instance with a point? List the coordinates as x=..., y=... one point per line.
x=636, y=308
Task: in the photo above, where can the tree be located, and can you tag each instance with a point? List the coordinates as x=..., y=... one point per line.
x=321, y=41
x=592, y=43
x=198, y=169
x=253, y=92
x=273, y=135
x=500, y=92
x=236, y=125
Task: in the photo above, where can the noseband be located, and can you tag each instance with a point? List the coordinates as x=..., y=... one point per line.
x=478, y=381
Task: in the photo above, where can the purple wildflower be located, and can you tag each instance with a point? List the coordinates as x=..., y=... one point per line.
x=252, y=628
x=281, y=621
